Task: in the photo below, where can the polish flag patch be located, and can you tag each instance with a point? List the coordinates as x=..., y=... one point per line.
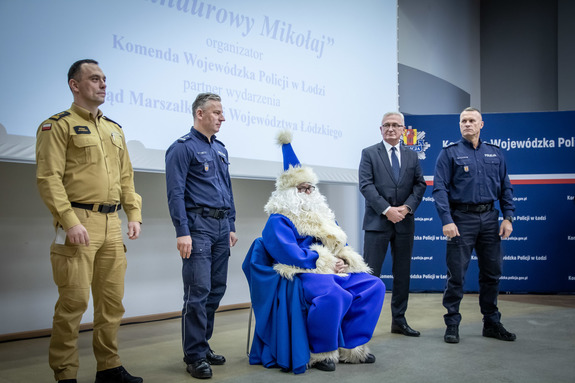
x=46, y=127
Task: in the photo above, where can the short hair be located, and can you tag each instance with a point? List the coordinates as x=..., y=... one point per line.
x=394, y=114
x=202, y=99
x=75, y=68
x=471, y=109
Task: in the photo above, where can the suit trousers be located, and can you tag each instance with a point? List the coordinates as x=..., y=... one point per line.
x=374, y=252
x=76, y=268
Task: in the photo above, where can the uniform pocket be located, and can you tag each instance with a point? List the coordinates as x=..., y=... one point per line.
x=64, y=261
x=491, y=161
x=87, y=148
x=204, y=164
x=463, y=168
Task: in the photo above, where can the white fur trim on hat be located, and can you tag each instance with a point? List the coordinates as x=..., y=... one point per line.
x=295, y=176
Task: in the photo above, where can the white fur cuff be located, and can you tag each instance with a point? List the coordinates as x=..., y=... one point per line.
x=354, y=355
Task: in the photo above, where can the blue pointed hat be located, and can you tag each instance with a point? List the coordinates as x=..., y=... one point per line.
x=284, y=139
x=294, y=173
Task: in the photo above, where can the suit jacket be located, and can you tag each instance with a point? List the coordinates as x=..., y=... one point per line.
x=380, y=190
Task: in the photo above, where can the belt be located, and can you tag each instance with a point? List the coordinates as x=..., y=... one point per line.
x=102, y=208
x=209, y=212
x=472, y=208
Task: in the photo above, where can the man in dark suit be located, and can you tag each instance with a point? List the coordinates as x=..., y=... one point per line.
x=392, y=183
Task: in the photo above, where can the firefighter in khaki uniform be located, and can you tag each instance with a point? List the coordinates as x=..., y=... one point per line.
x=84, y=176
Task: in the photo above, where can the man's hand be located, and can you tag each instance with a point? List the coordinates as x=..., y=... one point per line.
x=134, y=230
x=505, y=229
x=450, y=230
x=340, y=267
x=396, y=214
x=78, y=235
x=233, y=238
x=184, y=245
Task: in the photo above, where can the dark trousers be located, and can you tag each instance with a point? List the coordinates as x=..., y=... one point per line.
x=479, y=231
x=204, y=275
x=374, y=251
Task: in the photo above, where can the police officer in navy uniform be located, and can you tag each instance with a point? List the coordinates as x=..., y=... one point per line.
x=202, y=209
x=470, y=176
x=85, y=176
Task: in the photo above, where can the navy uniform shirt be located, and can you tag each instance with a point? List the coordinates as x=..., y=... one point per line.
x=468, y=175
x=197, y=175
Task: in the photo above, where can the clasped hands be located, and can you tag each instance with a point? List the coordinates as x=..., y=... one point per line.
x=397, y=213
x=340, y=266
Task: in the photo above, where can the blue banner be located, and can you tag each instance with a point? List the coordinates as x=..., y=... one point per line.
x=539, y=256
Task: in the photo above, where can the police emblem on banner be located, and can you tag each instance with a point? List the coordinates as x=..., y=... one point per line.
x=415, y=141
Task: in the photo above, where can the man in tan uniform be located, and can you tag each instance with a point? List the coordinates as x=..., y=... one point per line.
x=84, y=176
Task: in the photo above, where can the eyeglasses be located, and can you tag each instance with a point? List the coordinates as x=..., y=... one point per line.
x=394, y=126
x=306, y=189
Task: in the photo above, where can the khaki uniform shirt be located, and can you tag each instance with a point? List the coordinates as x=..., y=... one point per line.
x=83, y=158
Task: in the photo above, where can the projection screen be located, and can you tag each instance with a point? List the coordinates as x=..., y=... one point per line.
x=327, y=70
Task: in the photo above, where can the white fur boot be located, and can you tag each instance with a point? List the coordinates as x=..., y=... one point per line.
x=359, y=354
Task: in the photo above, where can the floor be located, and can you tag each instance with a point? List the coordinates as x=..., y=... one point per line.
x=544, y=350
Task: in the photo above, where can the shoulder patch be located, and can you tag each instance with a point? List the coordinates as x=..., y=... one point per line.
x=109, y=119
x=59, y=116
x=184, y=138
x=490, y=144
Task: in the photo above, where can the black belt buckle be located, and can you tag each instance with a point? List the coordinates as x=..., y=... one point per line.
x=220, y=214
x=217, y=213
x=209, y=212
x=479, y=208
x=483, y=208
x=105, y=209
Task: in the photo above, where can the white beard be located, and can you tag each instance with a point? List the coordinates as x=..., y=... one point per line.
x=310, y=214
x=290, y=202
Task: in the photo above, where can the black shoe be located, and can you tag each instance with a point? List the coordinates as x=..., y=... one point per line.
x=325, y=365
x=116, y=375
x=369, y=359
x=451, y=334
x=497, y=331
x=215, y=359
x=403, y=329
x=68, y=381
x=200, y=369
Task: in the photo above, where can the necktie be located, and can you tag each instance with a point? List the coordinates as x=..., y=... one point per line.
x=394, y=163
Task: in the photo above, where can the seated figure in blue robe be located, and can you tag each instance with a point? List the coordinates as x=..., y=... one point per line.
x=313, y=296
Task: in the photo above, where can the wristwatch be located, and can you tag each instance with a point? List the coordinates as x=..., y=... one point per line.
x=510, y=219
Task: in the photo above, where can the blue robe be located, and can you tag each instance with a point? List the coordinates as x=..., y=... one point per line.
x=317, y=312
x=280, y=336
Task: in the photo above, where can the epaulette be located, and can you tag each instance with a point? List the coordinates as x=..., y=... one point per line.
x=109, y=119
x=451, y=144
x=220, y=142
x=489, y=143
x=59, y=116
x=184, y=138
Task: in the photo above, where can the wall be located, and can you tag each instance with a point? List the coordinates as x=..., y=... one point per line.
x=438, y=56
x=527, y=55
x=153, y=278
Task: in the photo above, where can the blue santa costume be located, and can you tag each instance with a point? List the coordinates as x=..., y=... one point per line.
x=307, y=314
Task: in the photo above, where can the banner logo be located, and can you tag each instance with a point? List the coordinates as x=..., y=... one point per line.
x=415, y=141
